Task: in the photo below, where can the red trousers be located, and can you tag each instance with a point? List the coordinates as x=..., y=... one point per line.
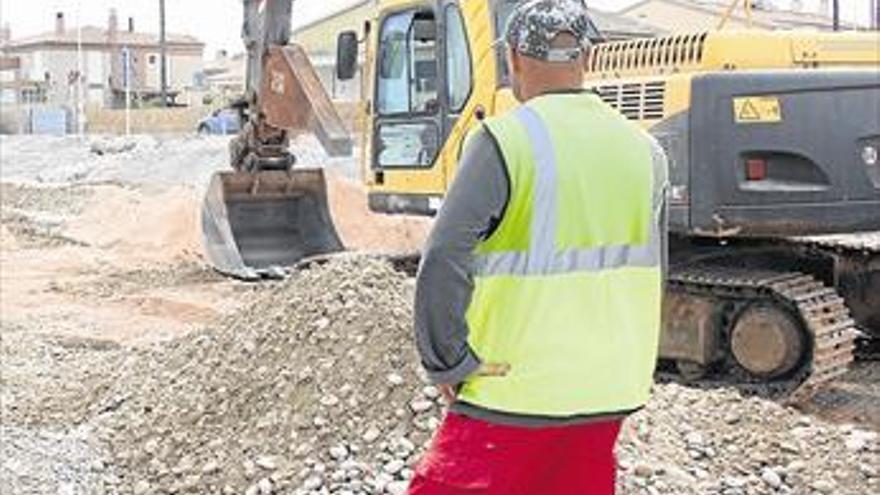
x=470, y=457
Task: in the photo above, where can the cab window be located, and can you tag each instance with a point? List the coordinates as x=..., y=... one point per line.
x=503, y=10
x=459, y=79
x=407, y=81
x=408, y=144
x=407, y=132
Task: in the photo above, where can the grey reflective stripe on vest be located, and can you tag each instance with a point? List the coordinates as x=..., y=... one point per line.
x=542, y=246
x=543, y=258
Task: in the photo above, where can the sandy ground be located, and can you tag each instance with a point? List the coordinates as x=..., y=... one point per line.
x=100, y=255
x=101, y=238
x=101, y=258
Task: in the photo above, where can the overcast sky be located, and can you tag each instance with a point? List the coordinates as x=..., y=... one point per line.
x=218, y=22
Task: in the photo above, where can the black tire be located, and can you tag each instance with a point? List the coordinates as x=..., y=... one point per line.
x=204, y=130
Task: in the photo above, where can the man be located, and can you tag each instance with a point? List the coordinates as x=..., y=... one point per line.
x=538, y=297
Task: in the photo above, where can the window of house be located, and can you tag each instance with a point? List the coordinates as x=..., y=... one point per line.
x=95, y=67
x=458, y=60
x=152, y=59
x=33, y=95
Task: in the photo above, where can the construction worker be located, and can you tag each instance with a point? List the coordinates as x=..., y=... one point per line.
x=538, y=299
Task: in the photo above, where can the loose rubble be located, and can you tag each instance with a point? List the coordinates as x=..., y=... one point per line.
x=71, y=459
x=295, y=389
x=315, y=389
x=312, y=386
x=718, y=442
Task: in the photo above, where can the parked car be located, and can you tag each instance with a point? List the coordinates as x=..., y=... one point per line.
x=222, y=121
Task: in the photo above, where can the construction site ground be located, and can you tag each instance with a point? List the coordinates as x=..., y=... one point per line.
x=128, y=366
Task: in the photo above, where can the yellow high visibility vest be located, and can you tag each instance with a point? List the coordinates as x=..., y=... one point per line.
x=568, y=287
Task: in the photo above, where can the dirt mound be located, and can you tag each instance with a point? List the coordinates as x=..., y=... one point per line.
x=317, y=387
x=364, y=230
x=140, y=225
x=323, y=362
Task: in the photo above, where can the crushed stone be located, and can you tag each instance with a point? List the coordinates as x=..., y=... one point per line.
x=299, y=372
x=316, y=388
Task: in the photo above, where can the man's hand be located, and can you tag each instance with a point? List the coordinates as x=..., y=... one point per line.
x=448, y=390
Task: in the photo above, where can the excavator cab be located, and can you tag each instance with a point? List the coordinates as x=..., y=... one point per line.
x=269, y=212
x=432, y=71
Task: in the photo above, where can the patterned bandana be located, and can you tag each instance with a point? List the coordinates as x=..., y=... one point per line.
x=534, y=25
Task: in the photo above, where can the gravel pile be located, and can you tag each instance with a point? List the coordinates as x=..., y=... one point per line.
x=61, y=200
x=52, y=381
x=133, y=159
x=315, y=385
x=48, y=389
x=689, y=441
x=315, y=389
x=37, y=460
x=137, y=159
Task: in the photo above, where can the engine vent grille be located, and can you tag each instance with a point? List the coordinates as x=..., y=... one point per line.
x=636, y=101
x=664, y=54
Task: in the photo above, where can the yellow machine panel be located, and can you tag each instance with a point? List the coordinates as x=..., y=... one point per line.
x=648, y=80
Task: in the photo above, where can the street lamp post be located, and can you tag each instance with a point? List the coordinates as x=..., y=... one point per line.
x=163, y=68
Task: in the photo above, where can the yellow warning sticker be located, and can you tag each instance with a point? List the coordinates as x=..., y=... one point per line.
x=757, y=110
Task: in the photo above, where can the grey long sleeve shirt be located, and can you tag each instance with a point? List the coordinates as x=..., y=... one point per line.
x=473, y=207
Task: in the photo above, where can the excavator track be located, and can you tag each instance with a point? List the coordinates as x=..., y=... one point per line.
x=823, y=317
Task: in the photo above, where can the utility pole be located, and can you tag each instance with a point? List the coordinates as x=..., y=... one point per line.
x=875, y=15
x=127, y=68
x=80, y=96
x=163, y=68
x=835, y=14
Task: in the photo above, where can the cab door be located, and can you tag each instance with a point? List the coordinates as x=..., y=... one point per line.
x=422, y=84
x=408, y=116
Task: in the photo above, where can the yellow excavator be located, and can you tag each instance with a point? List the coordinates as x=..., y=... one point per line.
x=773, y=141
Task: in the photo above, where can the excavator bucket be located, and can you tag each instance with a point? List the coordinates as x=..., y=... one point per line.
x=254, y=225
x=261, y=219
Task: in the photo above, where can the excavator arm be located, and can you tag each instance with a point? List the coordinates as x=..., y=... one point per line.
x=268, y=212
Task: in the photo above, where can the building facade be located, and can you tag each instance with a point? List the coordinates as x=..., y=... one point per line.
x=113, y=59
x=222, y=79
x=318, y=38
